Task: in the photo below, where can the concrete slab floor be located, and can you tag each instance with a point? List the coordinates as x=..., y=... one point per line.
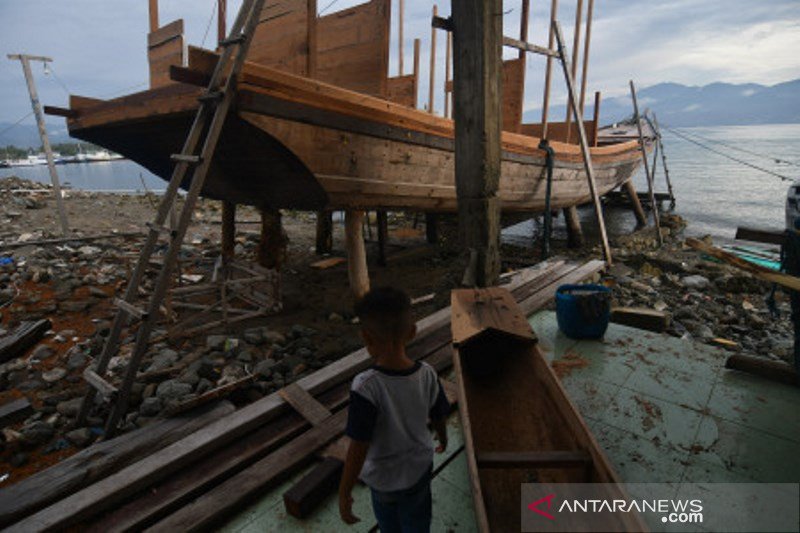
x=663, y=409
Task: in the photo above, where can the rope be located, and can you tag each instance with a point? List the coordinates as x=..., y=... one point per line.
x=15, y=124
x=723, y=154
x=210, y=19
x=324, y=9
x=58, y=80
x=745, y=150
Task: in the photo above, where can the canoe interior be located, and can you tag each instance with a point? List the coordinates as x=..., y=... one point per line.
x=511, y=402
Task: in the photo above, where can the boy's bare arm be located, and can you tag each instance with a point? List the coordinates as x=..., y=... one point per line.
x=440, y=427
x=356, y=455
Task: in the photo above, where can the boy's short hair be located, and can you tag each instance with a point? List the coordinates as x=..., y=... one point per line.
x=385, y=312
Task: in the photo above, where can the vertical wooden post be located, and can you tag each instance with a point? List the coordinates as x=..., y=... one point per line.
x=311, y=38
x=523, y=26
x=432, y=79
x=478, y=79
x=48, y=151
x=548, y=73
x=649, y=176
x=596, y=118
x=400, y=9
x=432, y=228
x=447, y=61
x=153, y=15
x=586, y=48
x=416, y=71
x=222, y=16
x=576, y=43
x=324, y=241
x=574, y=230
x=382, y=220
x=271, y=250
x=357, y=271
x=228, y=229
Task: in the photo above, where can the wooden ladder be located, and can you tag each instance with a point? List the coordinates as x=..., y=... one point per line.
x=193, y=161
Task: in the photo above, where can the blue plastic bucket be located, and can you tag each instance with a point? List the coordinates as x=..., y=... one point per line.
x=583, y=311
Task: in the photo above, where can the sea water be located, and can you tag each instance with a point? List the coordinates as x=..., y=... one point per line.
x=713, y=193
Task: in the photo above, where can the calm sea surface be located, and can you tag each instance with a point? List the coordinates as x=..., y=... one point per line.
x=714, y=193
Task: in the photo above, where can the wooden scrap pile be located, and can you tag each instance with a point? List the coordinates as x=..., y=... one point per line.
x=193, y=472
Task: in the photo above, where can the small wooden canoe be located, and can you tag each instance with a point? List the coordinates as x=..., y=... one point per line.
x=519, y=424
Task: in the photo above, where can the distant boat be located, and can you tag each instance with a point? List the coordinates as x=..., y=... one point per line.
x=4, y=163
x=30, y=161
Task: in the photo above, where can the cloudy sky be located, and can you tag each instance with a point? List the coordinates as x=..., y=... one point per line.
x=99, y=45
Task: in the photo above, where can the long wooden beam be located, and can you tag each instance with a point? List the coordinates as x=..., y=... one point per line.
x=432, y=72
x=576, y=43
x=548, y=73
x=650, y=185
x=586, y=50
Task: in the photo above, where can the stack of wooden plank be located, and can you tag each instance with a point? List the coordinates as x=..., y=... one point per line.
x=204, y=477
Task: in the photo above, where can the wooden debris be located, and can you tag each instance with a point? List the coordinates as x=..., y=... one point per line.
x=766, y=236
x=64, y=240
x=211, y=395
x=328, y=263
x=98, y=461
x=785, y=280
x=301, y=500
x=305, y=404
x=15, y=411
x=725, y=343
x=423, y=299
x=773, y=370
x=641, y=318
x=18, y=341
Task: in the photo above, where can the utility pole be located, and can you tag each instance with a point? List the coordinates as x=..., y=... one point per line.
x=37, y=111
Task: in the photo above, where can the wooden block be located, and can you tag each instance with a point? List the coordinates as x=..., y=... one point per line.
x=476, y=311
x=18, y=341
x=301, y=500
x=641, y=318
x=773, y=370
x=768, y=236
x=305, y=404
x=328, y=263
x=725, y=343
x=15, y=411
x=337, y=449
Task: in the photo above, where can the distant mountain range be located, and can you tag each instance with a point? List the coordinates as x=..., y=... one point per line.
x=716, y=104
x=26, y=135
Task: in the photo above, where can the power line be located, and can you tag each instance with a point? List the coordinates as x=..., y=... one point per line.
x=210, y=19
x=723, y=154
x=15, y=124
x=745, y=150
x=63, y=85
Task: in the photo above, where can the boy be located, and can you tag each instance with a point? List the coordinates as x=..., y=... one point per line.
x=390, y=404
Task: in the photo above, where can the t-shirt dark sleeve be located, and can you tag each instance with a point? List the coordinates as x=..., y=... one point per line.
x=441, y=407
x=361, y=417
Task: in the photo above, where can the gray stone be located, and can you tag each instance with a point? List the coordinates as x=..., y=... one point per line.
x=77, y=359
x=299, y=330
x=42, y=352
x=150, y=407
x=204, y=386
x=172, y=390
x=245, y=356
x=89, y=251
x=695, y=282
x=30, y=384
x=189, y=377
x=274, y=337
x=80, y=437
x=254, y=336
x=97, y=292
x=264, y=368
x=216, y=342
x=56, y=374
x=70, y=407
x=37, y=433
x=163, y=359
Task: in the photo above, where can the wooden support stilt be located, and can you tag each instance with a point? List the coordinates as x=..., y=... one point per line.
x=664, y=162
x=649, y=176
x=576, y=43
x=357, y=271
x=448, y=61
x=641, y=218
x=477, y=41
x=228, y=229
x=272, y=244
x=574, y=230
x=324, y=244
x=382, y=221
x=400, y=15
x=432, y=227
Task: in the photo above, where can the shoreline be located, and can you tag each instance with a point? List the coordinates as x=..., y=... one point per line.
x=72, y=285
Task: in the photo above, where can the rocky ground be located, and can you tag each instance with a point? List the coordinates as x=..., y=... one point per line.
x=72, y=284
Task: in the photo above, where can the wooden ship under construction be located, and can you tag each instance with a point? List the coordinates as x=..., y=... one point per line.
x=319, y=124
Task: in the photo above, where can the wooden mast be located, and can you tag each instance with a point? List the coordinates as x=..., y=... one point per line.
x=586, y=48
x=576, y=43
x=447, y=61
x=153, y=15
x=432, y=79
x=548, y=73
x=400, y=10
x=477, y=62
